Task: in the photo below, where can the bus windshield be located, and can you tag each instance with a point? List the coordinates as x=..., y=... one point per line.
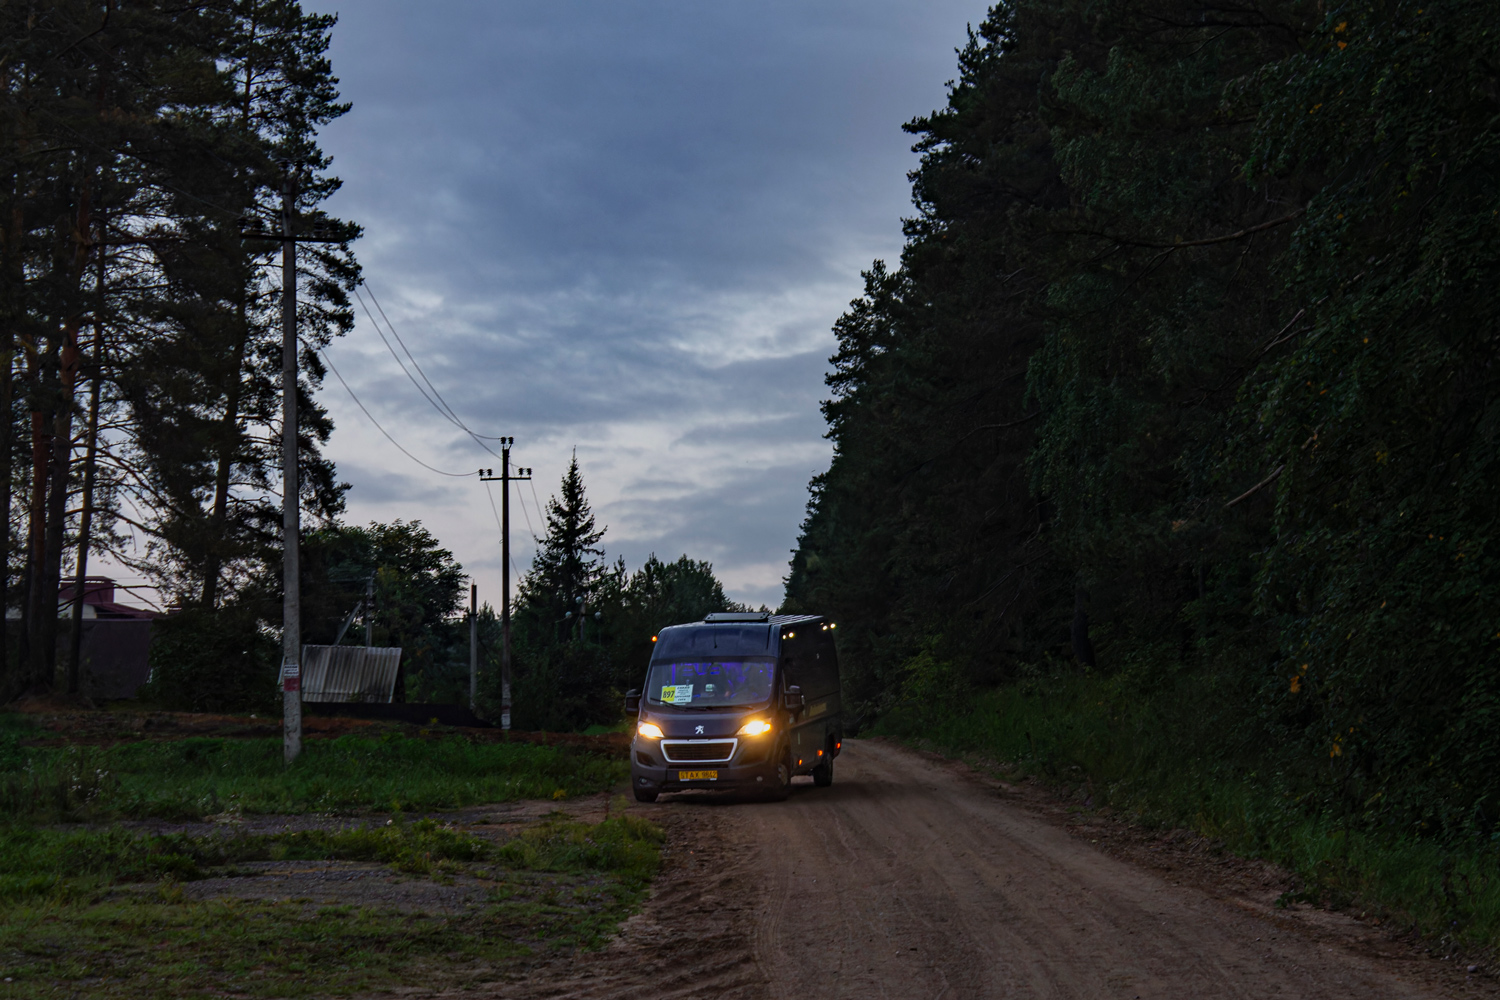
x=711, y=683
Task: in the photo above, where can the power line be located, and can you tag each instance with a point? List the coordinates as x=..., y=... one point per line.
x=366, y=412
x=496, y=512
x=493, y=509
x=392, y=327
x=431, y=393
x=529, y=528
x=445, y=413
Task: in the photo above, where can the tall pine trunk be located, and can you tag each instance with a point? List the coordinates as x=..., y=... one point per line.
x=12, y=276
x=46, y=584
x=36, y=540
x=228, y=439
x=90, y=458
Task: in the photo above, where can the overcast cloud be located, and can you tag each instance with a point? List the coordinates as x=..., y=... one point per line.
x=626, y=228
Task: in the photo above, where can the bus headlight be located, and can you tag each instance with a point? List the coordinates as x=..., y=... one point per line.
x=755, y=727
x=650, y=730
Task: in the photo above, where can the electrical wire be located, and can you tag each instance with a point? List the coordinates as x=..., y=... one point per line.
x=494, y=511
x=443, y=410
x=366, y=412
x=434, y=398
x=540, y=519
x=491, y=494
x=392, y=327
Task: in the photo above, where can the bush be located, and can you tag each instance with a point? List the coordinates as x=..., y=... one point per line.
x=206, y=660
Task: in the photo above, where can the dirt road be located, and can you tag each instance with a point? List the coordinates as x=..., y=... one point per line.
x=911, y=879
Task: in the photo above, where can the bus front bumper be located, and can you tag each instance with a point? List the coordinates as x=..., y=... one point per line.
x=751, y=768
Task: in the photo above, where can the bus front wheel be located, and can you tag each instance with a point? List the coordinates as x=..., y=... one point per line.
x=783, y=780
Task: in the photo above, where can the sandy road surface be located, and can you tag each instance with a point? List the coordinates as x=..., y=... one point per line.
x=908, y=879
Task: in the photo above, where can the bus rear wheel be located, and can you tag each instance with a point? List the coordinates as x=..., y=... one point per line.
x=823, y=773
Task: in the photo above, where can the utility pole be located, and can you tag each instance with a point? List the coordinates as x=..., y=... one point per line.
x=252, y=227
x=505, y=478
x=370, y=613
x=473, y=647
x=291, y=507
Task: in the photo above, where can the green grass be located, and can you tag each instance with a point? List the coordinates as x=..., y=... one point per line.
x=66, y=929
x=192, y=778
x=92, y=909
x=66, y=863
x=1166, y=758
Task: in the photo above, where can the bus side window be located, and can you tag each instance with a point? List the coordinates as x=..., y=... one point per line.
x=793, y=671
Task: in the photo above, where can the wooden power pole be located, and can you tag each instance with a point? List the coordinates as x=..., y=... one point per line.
x=505, y=479
x=252, y=227
x=473, y=647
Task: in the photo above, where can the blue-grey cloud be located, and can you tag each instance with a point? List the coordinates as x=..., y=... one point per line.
x=625, y=228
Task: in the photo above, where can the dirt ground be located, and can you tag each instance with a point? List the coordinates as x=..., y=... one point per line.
x=912, y=877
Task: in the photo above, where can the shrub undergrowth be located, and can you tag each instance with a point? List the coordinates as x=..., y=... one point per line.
x=1165, y=753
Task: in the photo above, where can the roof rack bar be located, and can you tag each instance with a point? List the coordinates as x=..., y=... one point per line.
x=737, y=616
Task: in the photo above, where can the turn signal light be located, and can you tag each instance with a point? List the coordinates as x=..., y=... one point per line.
x=755, y=727
x=650, y=730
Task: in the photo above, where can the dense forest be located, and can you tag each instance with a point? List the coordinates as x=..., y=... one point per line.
x=1183, y=402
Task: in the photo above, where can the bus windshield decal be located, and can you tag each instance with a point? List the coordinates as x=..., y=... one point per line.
x=676, y=694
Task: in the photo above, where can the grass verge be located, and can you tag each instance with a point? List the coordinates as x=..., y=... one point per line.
x=1166, y=759
x=202, y=776
x=92, y=909
x=104, y=913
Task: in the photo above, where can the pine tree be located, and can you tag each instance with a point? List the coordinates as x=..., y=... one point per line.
x=132, y=139
x=214, y=331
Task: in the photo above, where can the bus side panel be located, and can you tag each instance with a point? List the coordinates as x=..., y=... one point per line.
x=812, y=665
x=828, y=659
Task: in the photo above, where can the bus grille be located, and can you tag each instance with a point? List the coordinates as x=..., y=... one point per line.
x=698, y=751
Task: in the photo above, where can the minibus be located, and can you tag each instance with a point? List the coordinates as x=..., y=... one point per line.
x=740, y=701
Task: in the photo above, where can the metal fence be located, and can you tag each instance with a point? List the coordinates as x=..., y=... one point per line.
x=349, y=673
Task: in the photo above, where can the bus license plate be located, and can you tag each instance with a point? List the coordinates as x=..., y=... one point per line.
x=697, y=775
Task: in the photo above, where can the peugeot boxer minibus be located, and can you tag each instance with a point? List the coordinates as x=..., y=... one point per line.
x=737, y=701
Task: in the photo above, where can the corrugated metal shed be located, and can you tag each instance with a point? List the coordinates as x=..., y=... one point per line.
x=349, y=673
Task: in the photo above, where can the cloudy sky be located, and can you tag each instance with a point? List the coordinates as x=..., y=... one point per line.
x=624, y=228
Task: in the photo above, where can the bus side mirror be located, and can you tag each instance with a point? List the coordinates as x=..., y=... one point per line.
x=633, y=702
x=793, y=699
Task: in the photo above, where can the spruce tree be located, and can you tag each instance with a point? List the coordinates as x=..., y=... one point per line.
x=569, y=561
